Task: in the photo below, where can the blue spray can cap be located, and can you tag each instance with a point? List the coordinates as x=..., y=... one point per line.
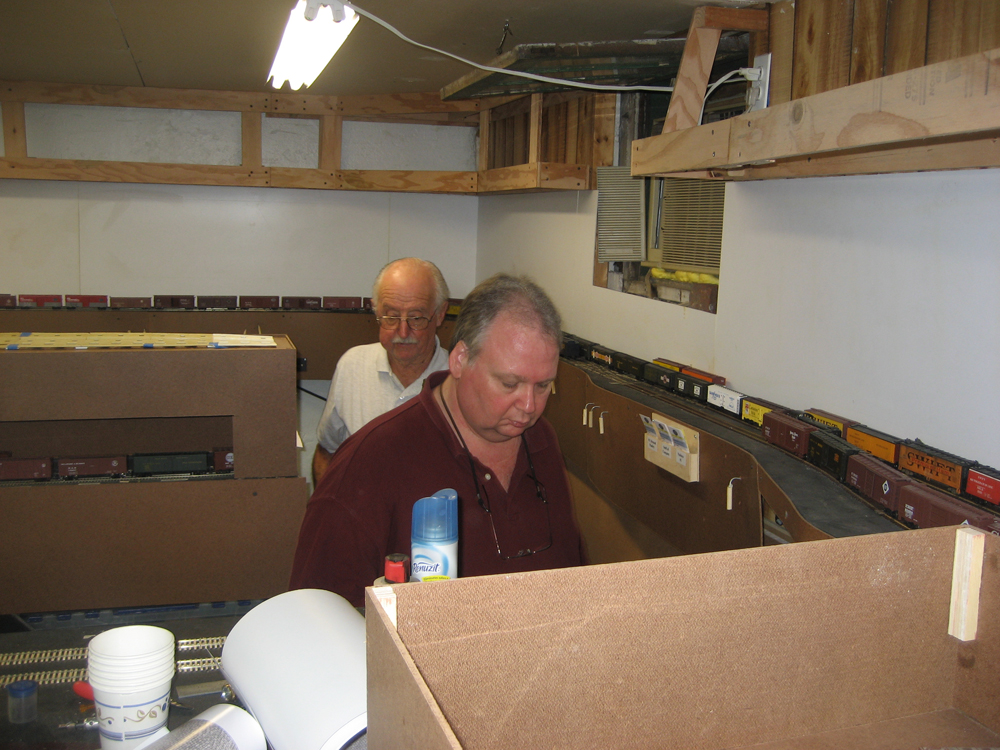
x=435, y=518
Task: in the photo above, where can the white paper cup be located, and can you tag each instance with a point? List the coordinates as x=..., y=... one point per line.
x=131, y=642
x=128, y=720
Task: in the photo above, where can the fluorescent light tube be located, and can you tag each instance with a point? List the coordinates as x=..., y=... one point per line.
x=308, y=46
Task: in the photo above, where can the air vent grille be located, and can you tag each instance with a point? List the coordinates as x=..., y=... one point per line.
x=621, y=225
x=691, y=225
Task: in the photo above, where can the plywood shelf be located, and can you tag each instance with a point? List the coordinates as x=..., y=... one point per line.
x=940, y=116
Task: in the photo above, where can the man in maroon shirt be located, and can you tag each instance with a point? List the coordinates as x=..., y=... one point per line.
x=475, y=428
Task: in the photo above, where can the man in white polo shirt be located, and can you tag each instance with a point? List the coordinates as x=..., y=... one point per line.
x=410, y=298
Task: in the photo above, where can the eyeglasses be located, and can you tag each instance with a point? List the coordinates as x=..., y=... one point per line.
x=539, y=491
x=391, y=322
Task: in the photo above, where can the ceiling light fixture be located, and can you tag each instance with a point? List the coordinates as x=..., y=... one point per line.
x=314, y=33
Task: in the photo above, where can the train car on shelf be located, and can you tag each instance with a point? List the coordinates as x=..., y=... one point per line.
x=601, y=354
x=933, y=465
x=787, y=432
x=669, y=364
x=840, y=423
x=216, y=302
x=753, y=409
x=628, y=365
x=135, y=303
x=830, y=452
x=983, y=484
x=708, y=377
x=48, y=301
x=150, y=464
x=342, y=303
x=808, y=418
x=174, y=302
x=222, y=460
x=87, y=301
x=8, y=300
x=879, y=444
x=259, y=303
x=692, y=386
x=726, y=399
x=925, y=507
x=102, y=466
x=302, y=303
x=876, y=480
x=657, y=374
x=17, y=469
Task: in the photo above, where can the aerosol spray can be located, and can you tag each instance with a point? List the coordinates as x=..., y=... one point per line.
x=434, y=539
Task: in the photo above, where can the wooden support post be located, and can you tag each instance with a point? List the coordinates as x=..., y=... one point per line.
x=331, y=131
x=782, y=41
x=684, y=110
x=251, y=131
x=966, y=580
x=14, y=141
x=484, y=140
x=535, y=128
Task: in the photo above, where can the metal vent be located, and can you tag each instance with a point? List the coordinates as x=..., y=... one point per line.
x=621, y=225
x=690, y=225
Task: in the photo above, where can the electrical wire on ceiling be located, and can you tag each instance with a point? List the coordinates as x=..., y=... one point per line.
x=505, y=71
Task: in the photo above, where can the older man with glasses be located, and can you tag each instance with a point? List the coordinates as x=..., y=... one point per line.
x=477, y=429
x=410, y=298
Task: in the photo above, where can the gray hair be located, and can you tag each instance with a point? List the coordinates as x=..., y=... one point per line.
x=441, y=292
x=518, y=296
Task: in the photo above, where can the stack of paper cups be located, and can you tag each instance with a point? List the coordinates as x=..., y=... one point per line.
x=130, y=670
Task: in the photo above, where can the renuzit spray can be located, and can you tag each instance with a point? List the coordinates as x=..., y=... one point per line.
x=434, y=538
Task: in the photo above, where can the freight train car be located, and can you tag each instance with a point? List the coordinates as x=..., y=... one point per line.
x=933, y=465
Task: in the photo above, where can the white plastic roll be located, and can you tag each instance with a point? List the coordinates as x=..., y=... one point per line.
x=297, y=662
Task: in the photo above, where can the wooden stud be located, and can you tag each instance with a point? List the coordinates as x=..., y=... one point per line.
x=953, y=28
x=15, y=142
x=331, y=132
x=133, y=96
x=782, y=39
x=906, y=36
x=535, y=128
x=409, y=181
x=484, y=141
x=989, y=27
x=868, y=40
x=732, y=19
x=250, y=127
x=966, y=581
x=684, y=110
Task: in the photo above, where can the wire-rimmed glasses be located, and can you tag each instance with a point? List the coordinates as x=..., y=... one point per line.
x=391, y=322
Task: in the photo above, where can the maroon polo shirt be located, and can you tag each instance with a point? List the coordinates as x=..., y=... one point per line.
x=361, y=509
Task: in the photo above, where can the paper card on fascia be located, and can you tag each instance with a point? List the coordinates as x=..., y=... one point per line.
x=671, y=446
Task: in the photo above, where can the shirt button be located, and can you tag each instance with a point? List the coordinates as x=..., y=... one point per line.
x=488, y=477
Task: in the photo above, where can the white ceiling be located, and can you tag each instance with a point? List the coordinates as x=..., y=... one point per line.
x=229, y=44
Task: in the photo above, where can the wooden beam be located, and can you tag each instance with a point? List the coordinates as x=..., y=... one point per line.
x=954, y=101
x=250, y=130
x=401, y=104
x=331, y=130
x=684, y=110
x=705, y=147
x=534, y=127
x=133, y=96
x=133, y=172
x=15, y=143
x=316, y=179
x=732, y=19
x=563, y=176
x=408, y=181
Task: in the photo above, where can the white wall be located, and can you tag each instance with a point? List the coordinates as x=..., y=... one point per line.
x=872, y=297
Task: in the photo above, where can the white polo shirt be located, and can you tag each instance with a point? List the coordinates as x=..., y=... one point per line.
x=364, y=387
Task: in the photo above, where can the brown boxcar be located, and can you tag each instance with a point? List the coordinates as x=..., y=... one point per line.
x=879, y=444
x=131, y=302
x=39, y=300
x=301, y=303
x=628, y=365
x=934, y=465
x=876, y=480
x=25, y=468
x=8, y=300
x=925, y=508
x=173, y=302
x=226, y=302
x=259, y=303
x=787, y=432
x=342, y=303
x=832, y=419
x=222, y=459
x=104, y=466
x=702, y=375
